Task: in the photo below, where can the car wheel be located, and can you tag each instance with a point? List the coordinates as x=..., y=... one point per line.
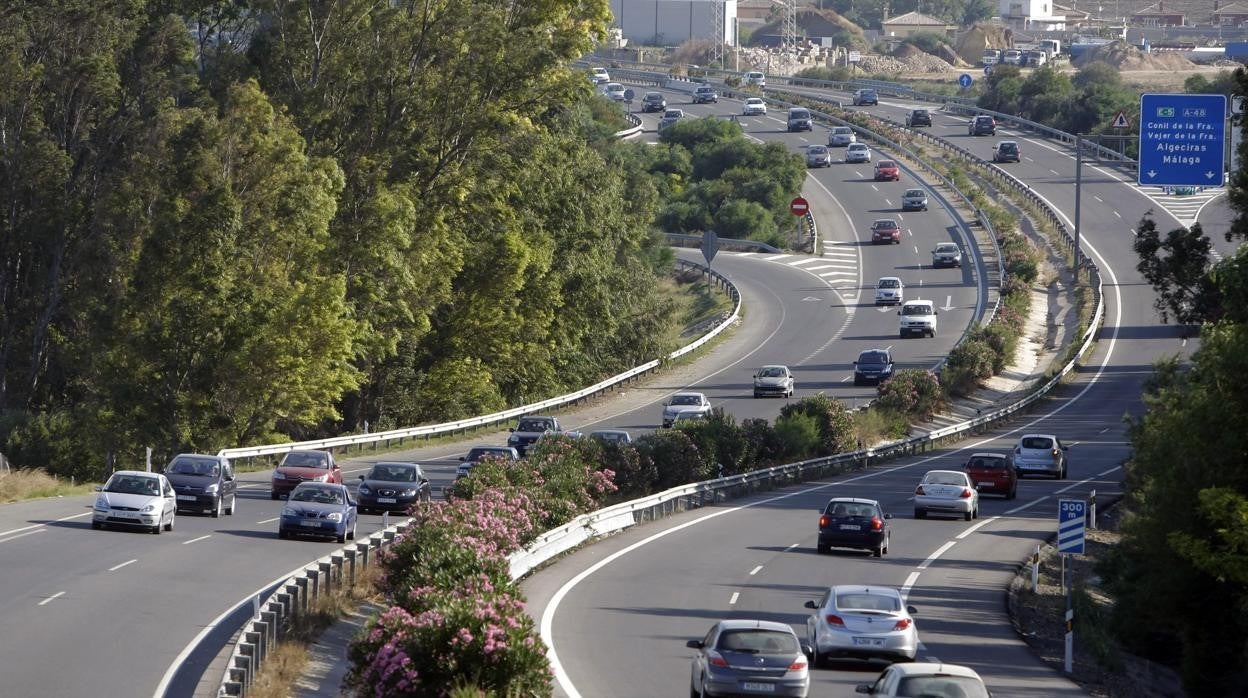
x=229, y=511
x=887, y=543
x=920, y=513
x=1013, y=493
x=823, y=549
x=96, y=525
x=969, y=515
x=156, y=529
x=172, y=517
x=878, y=551
x=351, y=533
x=342, y=537
x=273, y=495
x=281, y=533
x=216, y=510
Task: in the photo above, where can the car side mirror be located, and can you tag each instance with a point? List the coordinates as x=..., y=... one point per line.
x=888, y=516
x=694, y=644
x=911, y=610
x=862, y=688
x=808, y=650
x=361, y=477
x=899, y=312
x=463, y=457
x=855, y=363
x=98, y=488
x=812, y=604
x=935, y=312
x=512, y=430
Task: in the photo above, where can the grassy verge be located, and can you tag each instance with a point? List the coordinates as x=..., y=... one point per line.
x=37, y=484
x=288, y=658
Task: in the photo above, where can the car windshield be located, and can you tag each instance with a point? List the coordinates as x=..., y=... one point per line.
x=653, y=97
x=916, y=310
x=986, y=463
x=885, y=164
x=704, y=89
x=686, y=400
x=941, y=687
x=672, y=113
x=914, y=193
x=757, y=641
x=858, y=148
x=193, y=466
x=868, y=93
x=885, y=224
x=944, y=479
x=393, y=472
x=479, y=453
x=608, y=436
x=817, y=150
x=1037, y=442
x=842, y=130
x=946, y=247
x=890, y=283
x=319, y=495
x=534, y=425
x=133, y=484
x=872, y=358
x=1007, y=147
x=861, y=601
x=771, y=372
x=919, y=112
x=799, y=114
x=306, y=459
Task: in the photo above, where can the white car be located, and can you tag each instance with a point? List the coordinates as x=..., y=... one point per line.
x=946, y=492
x=692, y=403
x=774, y=380
x=599, y=76
x=917, y=317
x=862, y=622
x=889, y=291
x=754, y=106
x=841, y=136
x=615, y=91
x=1040, y=454
x=926, y=679
x=858, y=152
x=135, y=499
x=756, y=78
x=670, y=117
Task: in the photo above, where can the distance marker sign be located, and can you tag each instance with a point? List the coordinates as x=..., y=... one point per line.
x=1182, y=140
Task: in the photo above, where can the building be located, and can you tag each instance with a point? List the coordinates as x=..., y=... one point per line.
x=1232, y=15
x=1158, y=16
x=913, y=23
x=1031, y=15
x=672, y=22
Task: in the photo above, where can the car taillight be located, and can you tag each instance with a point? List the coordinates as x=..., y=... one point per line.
x=877, y=524
x=716, y=660
x=835, y=621
x=919, y=490
x=1055, y=451
x=1017, y=450
x=824, y=521
x=902, y=624
x=966, y=492
x=798, y=664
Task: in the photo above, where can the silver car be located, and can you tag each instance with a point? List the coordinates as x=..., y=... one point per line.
x=773, y=380
x=749, y=657
x=862, y=622
x=947, y=254
x=858, y=152
x=841, y=136
x=926, y=679
x=818, y=156
x=889, y=290
x=670, y=117
x=1040, y=454
x=946, y=492
x=693, y=403
x=754, y=107
x=914, y=200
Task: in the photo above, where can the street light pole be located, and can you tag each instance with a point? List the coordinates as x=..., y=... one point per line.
x=1078, y=196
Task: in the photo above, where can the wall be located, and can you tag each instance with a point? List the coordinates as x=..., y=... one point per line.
x=670, y=22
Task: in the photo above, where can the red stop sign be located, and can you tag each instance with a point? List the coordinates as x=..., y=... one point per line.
x=799, y=206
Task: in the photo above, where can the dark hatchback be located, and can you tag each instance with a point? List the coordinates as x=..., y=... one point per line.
x=992, y=473
x=653, y=101
x=392, y=486
x=873, y=366
x=203, y=483
x=848, y=522
x=919, y=117
x=477, y=453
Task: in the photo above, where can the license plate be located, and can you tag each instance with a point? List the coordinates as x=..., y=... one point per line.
x=985, y=484
x=756, y=686
x=310, y=524
x=868, y=642
x=850, y=527
x=186, y=498
x=387, y=500
x=126, y=515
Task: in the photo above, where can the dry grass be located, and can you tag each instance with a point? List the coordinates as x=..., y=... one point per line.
x=33, y=483
x=289, y=657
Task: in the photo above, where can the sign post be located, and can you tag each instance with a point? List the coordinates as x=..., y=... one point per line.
x=710, y=245
x=965, y=80
x=1182, y=140
x=628, y=99
x=1071, y=525
x=799, y=206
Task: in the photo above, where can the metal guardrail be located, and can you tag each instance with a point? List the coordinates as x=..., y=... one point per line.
x=815, y=248
x=682, y=240
x=294, y=597
x=633, y=130
x=430, y=430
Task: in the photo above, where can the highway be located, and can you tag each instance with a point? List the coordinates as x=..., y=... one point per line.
x=618, y=613
x=116, y=612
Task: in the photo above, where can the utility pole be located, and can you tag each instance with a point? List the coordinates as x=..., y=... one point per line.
x=1078, y=196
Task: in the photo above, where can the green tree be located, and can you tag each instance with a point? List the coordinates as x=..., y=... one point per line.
x=836, y=427
x=1178, y=270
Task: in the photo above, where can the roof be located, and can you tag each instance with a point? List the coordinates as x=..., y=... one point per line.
x=915, y=19
x=740, y=624
x=136, y=472
x=1232, y=9
x=854, y=500
x=1156, y=10
x=865, y=589
x=986, y=454
x=931, y=668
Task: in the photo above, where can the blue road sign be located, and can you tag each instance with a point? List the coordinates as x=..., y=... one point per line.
x=629, y=94
x=1071, y=521
x=1182, y=140
x=965, y=80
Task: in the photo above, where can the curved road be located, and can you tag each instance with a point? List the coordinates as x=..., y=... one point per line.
x=115, y=612
x=618, y=613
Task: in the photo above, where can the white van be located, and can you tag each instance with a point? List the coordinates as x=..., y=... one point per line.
x=917, y=317
x=756, y=78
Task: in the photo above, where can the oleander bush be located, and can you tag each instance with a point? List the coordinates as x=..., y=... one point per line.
x=836, y=427
x=723, y=442
x=911, y=392
x=799, y=432
x=969, y=363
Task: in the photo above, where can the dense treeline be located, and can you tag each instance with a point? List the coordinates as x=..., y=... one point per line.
x=296, y=217
x=1181, y=573
x=1083, y=103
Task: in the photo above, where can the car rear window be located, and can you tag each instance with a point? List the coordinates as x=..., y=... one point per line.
x=1038, y=442
x=757, y=641
x=534, y=425
x=946, y=247
x=859, y=601
x=944, y=479
x=842, y=130
x=941, y=686
x=847, y=509
x=982, y=463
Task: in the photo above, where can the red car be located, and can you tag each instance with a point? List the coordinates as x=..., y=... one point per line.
x=887, y=170
x=885, y=230
x=304, y=466
x=992, y=473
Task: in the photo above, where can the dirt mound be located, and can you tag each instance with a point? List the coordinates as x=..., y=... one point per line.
x=907, y=60
x=971, y=45
x=1124, y=56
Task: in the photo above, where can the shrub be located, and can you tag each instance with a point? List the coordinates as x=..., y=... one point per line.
x=911, y=392
x=836, y=428
x=634, y=476
x=764, y=443
x=722, y=442
x=969, y=363
x=799, y=432
x=1002, y=339
x=674, y=458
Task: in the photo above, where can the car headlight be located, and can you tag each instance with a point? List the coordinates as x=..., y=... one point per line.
x=277, y=475
x=321, y=478
x=211, y=489
x=364, y=489
x=101, y=504
x=149, y=508
x=289, y=511
x=410, y=492
x=335, y=517
x=513, y=439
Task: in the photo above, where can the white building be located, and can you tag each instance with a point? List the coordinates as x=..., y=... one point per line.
x=672, y=22
x=1034, y=15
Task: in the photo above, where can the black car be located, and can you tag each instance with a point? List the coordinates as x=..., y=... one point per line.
x=982, y=125
x=1005, y=151
x=863, y=98
x=873, y=366
x=653, y=101
x=476, y=453
x=203, y=483
x=391, y=486
x=919, y=117
x=848, y=522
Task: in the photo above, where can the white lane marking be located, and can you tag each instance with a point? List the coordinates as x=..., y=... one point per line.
x=910, y=232
x=976, y=527
x=114, y=568
x=800, y=262
x=1117, y=214
x=875, y=187
x=1085, y=481
x=889, y=202
x=823, y=266
x=792, y=546
x=746, y=254
x=1094, y=196
x=778, y=257
x=755, y=570
x=910, y=581
x=733, y=601
x=936, y=555
x=196, y=540
x=916, y=249
x=1028, y=159
x=851, y=265
x=23, y=535
x=1134, y=233
x=840, y=273
x=48, y=600
x=1055, y=172
x=845, y=379
x=27, y=528
x=275, y=518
